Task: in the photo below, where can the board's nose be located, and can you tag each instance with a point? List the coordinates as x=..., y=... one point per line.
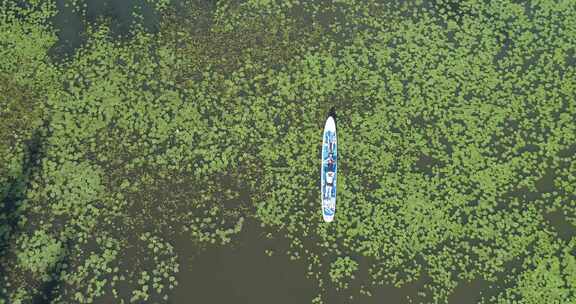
x=330, y=124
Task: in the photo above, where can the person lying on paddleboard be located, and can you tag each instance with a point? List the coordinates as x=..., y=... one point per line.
x=331, y=162
x=329, y=176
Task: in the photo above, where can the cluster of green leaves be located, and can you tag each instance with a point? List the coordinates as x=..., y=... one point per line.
x=342, y=271
x=87, y=279
x=162, y=278
x=40, y=253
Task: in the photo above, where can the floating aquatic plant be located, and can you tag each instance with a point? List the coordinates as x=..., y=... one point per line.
x=456, y=128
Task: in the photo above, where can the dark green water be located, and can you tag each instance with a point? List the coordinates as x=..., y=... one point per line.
x=71, y=23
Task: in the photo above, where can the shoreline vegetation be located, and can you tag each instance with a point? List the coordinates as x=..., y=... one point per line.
x=126, y=126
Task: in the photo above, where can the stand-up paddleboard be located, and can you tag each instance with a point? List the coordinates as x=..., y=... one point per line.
x=329, y=168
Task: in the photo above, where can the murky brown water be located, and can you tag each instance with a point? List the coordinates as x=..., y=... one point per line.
x=242, y=272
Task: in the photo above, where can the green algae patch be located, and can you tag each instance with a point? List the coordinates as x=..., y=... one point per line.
x=456, y=129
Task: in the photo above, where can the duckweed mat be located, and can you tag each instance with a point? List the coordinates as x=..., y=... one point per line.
x=140, y=138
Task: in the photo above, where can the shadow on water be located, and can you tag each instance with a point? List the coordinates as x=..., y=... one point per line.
x=47, y=291
x=12, y=198
x=241, y=273
x=16, y=189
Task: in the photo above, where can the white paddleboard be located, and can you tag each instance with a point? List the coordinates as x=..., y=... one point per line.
x=329, y=170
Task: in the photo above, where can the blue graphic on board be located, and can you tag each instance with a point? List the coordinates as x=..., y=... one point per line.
x=329, y=170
